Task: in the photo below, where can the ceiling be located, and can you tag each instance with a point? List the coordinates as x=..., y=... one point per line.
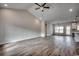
x=58, y=12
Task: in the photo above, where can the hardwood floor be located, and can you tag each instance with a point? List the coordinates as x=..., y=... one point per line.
x=49, y=46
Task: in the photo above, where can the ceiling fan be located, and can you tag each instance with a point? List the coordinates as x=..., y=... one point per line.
x=42, y=7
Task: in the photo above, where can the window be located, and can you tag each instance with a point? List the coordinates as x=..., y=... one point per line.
x=68, y=30
x=74, y=26
x=59, y=29
x=56, y=29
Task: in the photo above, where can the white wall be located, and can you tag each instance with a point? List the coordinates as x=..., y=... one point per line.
x=43, y=32
x=18, y=25
x=2, y=29
x=49, y=29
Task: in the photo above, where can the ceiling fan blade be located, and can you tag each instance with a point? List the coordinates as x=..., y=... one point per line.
x=47, y=7
x=37, y=8
x=37, y=4
x=44, y=4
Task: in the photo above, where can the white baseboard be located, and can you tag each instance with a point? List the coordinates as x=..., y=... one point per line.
x=19, y=40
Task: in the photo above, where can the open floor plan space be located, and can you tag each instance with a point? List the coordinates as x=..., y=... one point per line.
x=39, y=29
x=49, y=46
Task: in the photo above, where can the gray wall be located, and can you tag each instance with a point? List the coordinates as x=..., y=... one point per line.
x=18, y=25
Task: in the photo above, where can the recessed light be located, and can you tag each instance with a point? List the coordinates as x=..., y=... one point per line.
x=5, y=5
x=70, y=10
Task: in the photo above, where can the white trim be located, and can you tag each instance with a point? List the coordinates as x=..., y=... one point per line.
x=19, y=40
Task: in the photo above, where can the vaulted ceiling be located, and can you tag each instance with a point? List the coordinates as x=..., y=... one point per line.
x=58, y=12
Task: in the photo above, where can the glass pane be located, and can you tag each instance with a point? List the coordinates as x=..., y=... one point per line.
x=61, y=29
x=56, y=29
x=77, y=27
x=68, y=30
x=73, y=25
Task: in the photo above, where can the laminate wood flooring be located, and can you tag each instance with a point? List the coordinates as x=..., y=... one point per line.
x=48, y=46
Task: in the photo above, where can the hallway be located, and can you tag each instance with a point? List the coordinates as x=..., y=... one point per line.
x=52, y=46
